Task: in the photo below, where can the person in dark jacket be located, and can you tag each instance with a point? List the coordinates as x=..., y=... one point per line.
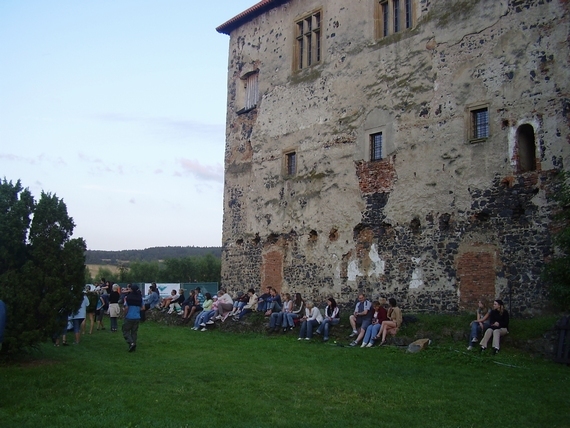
x=499, y=325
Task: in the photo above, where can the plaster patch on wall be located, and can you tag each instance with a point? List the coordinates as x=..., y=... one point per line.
x=417, y=274
x=353, y=270
x=378, y=265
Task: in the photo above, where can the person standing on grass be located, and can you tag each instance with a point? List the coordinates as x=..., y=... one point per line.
x=499, y=320
x=90, y=312
x=392, y=324
x=114, y=309
x=76, y=320
x=332, y=317
x=132, y=307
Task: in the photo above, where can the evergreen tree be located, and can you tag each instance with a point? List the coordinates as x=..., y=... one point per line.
x=42, y=269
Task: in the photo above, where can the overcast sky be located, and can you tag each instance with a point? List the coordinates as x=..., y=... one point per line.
x=118, y=107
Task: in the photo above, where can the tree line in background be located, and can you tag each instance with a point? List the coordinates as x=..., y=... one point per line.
x=97, y=257
x=205, y=268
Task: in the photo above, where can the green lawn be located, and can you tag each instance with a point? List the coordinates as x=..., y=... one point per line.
x=179, y=377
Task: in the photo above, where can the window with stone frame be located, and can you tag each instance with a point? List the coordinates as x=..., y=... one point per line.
x=394, y=16
x=248, y=91
x=291, y=163
x=376, y=141
x=308, y=40
x=479, y=127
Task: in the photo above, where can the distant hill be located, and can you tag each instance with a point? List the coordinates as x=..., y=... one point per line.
x=98, y=257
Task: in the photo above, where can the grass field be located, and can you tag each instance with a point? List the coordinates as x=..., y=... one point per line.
x=179, y=377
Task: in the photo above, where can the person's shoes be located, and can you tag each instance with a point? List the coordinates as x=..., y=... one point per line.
x=370, y=345
x=300, y=338
x=469, y=348
x=317, y=332
x=307, y=338
x=194, y=328
x=204, y=329
x=495, y=351
x=364, y=345
x=219, y=317
x=285, y=330
x=354, y=333
x=382, y=343
x=353, y=343
x=325, y=339
x=483, y=348
x=210, y=322
x=133, y=347
x=474, y=340
x=203, y=324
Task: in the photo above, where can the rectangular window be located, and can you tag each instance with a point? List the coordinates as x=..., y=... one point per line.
x=291, y=163
x=376, y=146
x=308, y=41
x=251, y=91
x=385, y=19
x=480, y=123
x=394, y=16
x=408, y=13
x=396, y=5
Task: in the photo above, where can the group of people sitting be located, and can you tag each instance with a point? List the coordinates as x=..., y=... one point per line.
x=370, y=321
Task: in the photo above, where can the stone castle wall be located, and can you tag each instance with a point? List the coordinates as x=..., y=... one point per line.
x=440, y=220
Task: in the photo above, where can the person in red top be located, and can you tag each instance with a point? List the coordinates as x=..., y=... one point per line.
x=380, y=315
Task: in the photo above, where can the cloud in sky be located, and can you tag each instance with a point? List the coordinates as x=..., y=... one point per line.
x=126, y=123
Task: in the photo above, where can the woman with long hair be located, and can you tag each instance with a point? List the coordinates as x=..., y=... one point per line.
x=296, y=312
x=332, y=317
x=393, y=323
x=481, y=323
x=499, y=324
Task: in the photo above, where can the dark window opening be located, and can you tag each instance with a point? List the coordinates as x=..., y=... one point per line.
x=526, y=148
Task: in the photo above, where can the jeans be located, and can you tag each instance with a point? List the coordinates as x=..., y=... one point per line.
x=203, y=317
x=244, y=312
x=325, y=327
x=371, y=332
x=276, y=319
x=289, y=320
x=307, y=328
x=476, y=331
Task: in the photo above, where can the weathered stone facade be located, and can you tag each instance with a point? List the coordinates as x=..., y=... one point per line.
x=442, y=218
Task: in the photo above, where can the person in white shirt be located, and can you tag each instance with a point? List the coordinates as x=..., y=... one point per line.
x=312, y=318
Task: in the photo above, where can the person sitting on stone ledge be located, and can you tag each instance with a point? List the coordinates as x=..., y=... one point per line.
x=312, y=319
x=176, y=301
x=204, y=317
x=276, y=319
x=165, y=303
x=196, y=306
x=296, y=313
x=263, y=300
x=249, y=307
x=240, y=300
x=480, y=324
x=499, y=320
x=225, y=305
x=332, y=317
x=392, y=324
x=274, y=302
x=152, y=299
x=380, y=315
x=362, y=315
